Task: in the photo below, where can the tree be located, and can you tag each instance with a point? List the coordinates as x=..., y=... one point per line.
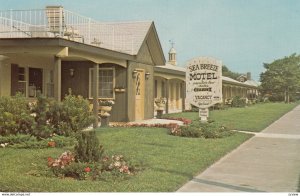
x=282, y=77
x=226, y=72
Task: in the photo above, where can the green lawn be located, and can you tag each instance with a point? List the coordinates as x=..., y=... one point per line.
x=168, y=162
x=254, y=118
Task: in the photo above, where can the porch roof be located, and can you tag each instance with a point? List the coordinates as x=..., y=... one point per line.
x=28, y=43
x=228, y=80
x=178, y=72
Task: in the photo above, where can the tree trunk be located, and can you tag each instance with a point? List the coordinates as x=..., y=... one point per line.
x=285, y=96
x=288, y=95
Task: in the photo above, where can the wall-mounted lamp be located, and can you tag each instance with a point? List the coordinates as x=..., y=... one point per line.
x=147, y=75
x=71, y=72
x=134, y=73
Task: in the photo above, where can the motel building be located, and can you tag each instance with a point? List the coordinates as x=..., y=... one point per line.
x=170, y=83
x=54, y=51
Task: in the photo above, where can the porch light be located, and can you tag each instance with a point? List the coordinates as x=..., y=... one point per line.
x=134, y=73
x=71, y=72
x=147, y=75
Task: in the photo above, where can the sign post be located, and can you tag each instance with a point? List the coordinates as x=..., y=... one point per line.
x=204, y=84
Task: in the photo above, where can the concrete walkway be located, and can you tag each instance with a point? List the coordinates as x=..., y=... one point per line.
x=268, y=162
x=154, y=121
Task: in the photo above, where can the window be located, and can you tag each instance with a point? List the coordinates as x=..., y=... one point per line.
x=106, y=83
x=35, y=81
x=22, y=80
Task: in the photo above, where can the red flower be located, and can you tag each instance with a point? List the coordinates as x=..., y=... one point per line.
x=51, y=144
x=50, y=161
x=87, y=169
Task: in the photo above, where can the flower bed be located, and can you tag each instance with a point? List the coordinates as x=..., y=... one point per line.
x=66, y=166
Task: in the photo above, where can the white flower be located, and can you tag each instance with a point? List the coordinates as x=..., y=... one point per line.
x=2, y=145
x=117, y=164
x=110, y=166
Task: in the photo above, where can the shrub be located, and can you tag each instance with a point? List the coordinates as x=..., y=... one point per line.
x=15, y=115
x=75, y=115
x=28, y=141
x=213, y=130
x=65, y=118
x=276, y=98
x=204, y=130
x=43, y=127
x=238, y=102
x=87, y=148
x=15, y=139
x=190, y=131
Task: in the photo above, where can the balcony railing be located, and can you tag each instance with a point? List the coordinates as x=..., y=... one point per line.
x=54, y=21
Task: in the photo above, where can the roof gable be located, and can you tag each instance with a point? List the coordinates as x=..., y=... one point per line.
x=154, y=46
x=130, y=38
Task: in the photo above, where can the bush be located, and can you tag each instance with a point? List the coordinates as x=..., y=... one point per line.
x=238, y=102
x=88, y=148
x=190, y=131
x=65, y=118
x=213, y=130
x=28, y=141
x=204, y=130
x=15, y=139
x=15, y=116
x=276, y=98
x=75, y=115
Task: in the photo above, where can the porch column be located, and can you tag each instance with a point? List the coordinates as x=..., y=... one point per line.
x=57, y=78
x=95, y=85
x=1, y=62
x=167, y=96
x=183, y=96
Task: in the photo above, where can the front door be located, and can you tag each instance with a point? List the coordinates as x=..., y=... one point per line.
x=35, y=81
x=139, y=95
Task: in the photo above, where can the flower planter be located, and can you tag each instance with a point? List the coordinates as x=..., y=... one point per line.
x=105, y=108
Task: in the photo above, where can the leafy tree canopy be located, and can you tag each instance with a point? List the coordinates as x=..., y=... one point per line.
x=282, y=77
x=226, y=72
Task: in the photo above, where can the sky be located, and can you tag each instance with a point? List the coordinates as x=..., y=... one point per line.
x=243, y=34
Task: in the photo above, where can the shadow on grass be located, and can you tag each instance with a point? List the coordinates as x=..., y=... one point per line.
x=298, y=190
x=155, y=144
x=190, y=176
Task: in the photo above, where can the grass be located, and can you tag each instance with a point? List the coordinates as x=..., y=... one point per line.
x=168, y=162
x=254, y=118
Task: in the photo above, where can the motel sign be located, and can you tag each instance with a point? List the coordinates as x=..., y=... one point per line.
x=204, y=82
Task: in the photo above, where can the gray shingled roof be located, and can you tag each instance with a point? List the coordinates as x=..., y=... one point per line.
x=126, y=37
x=172, y=67
x=252, y=82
